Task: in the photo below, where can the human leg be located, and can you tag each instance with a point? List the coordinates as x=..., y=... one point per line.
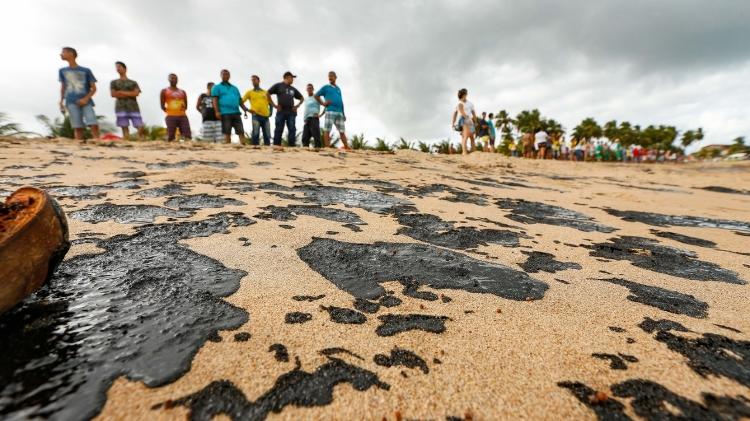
x=291, y=125
x=315, y=132
x=306, y=133
x=279, y=129
x=185, y=132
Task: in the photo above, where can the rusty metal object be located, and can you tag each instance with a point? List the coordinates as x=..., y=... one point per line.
x=33, y=242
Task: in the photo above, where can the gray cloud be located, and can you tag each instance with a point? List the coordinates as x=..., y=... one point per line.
x=679, y=62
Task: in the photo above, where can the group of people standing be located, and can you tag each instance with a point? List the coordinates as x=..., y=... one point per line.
x=221, y=107
x=471, y=127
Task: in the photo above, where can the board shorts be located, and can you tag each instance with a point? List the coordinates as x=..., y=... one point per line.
x=334, y=119
x=212, y=130
x=126, y=118
x=468, y=123
x=81, y=114
x=232, y=121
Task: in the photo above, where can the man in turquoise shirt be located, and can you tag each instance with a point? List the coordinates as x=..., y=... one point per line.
x=227, y=103
x=334, y=110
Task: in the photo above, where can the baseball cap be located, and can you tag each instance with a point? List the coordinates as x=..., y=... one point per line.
x=288, y=73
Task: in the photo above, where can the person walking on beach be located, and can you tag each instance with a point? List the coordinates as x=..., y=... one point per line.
x=260, y=109
x=125, y=91
x=311, y=117
x=77, y=89
x=466, y=115
x=334, y=111
x=173, y=102
x=541, y=137
x=211, y=124
x=227, y=103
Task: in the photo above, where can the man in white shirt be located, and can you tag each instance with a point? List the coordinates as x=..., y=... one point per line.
x=540, y=139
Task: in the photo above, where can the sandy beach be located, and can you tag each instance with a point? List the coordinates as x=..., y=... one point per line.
x=212, y=280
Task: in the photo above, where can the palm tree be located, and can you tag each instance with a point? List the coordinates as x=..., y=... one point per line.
x=358, y=141
x=611, y=131
x=9, y=128
x=554, y=129
x=587, y=130
x=443, y=147
x=738, y=145
x=503, y=120
x=382, y=145
x=423, y=147
x=528, y=121
x=404, y=144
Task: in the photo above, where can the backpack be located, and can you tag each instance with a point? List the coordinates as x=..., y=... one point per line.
x=459, y=127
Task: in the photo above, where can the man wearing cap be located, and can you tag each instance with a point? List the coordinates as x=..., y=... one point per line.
x=285, y=107
x=334, y=110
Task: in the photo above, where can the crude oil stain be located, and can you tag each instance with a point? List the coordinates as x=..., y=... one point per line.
x=545, y=262
x=308, y=298
x=352, y=198
x=291, y=212
x=187, y=163
x=360, y=268
x=541, y=213
x=124, y=312
x=648, y=254
x=280, y=352
x=433, y=230
x=684, y=239
x=366, y=306
x=295, y=388
x=345, y=315
x=402, y=357
x=711, y=354
x=202, y=201
x=616, y=362
x=392, y=324
x=661, y=220
x=337, y=350
x=653, y=401
x=170, y=189
x=126, y=214
x=297, y=317
x=663, y=299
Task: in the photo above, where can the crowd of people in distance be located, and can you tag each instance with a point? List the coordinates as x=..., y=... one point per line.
x=221, y=106
x=540, y=145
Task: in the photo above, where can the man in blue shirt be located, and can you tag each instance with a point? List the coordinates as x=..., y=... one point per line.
x=227, y=103
x=334, y=110
x=77, y=87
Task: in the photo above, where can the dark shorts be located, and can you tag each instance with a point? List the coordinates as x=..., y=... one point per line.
x=232, y=121
x=175, y=122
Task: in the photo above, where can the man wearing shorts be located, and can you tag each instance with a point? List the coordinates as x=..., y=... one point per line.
x=174, y=102
x=125, y=92
x=541, y=137
x=493, y=133
x=211, y=124
x=260, y=110
x=77, y=87
x=286, y=108
x=227, y=103
x=312, y=120
x=334, y=110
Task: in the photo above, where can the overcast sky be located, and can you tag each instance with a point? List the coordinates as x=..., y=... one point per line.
x=679, y=62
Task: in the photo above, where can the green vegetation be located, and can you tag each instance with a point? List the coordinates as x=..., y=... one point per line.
x=359, y=142
x=381, y=145
x=60, y=127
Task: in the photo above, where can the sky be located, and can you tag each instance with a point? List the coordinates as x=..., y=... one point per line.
x=400, y=63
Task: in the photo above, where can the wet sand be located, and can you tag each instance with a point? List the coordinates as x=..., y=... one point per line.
x=213, y=279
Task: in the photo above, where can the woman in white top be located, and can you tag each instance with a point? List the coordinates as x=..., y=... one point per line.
x=467, y=116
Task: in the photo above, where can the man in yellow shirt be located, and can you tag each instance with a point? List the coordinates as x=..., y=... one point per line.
x=261, y=111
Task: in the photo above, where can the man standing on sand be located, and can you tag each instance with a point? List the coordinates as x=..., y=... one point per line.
x=312, y=120
x=126, y=105
x=335, y=115
x=173, y=101
x=286, y=109
x=211, y=124
x=227, y=103
x=77, y=87
x=260, y=110
x=493, y=133
x=541, y=137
